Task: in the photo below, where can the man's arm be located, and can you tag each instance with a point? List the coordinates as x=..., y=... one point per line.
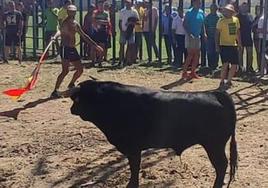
x=88, y=39
x=239, y=39
x=20, y=26
x=185, y=25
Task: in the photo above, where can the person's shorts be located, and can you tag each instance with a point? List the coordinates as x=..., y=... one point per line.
x=266, y=46
x=247, y=41
x=229, y=54
x=12, y=38
x=192, y=43
x=123, y=39
x=100, y=36
x=69, y=54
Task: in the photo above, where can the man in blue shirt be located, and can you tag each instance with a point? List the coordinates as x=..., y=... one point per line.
x=194, y=26
x=210, y=23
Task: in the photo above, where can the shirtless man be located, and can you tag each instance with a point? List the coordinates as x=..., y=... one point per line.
x=68, y=50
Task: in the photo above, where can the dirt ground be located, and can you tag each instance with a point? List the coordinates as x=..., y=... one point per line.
x=42, y=145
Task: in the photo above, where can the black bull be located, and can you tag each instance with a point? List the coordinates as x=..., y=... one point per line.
x=135, y=119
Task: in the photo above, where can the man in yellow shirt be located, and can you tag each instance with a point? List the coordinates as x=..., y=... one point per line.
x=227, y=41
x=138, y=28
x=62, y=15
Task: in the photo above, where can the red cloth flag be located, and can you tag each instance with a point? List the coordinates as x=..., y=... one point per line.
x=17, y=93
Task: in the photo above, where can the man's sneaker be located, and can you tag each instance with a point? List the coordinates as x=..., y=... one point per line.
x=71, y=85
x=55, y=94
x=185, y=75
x=194, y=75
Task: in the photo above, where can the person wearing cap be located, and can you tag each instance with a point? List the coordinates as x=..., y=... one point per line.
x=62, y=15
x=68, y=51
x=246, y=24
x=150, y=33
x=138, y=28
x=179, y=36
x=127, y=34
x=88, y=29
x=194, y=27
x=101, y=22
x=227, y=39
x=210, y=23
x=51, y=23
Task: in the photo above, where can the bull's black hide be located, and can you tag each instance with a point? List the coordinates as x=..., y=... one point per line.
x=135, y=118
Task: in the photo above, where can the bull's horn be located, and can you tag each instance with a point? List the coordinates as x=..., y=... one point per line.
x=70, y=92
x=93, y=78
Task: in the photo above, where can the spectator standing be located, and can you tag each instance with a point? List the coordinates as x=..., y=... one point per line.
x=20, y=7
x=246, y=23
x=256, y=39
x=260, y=30
x=51, y=23
x=101, y=22
x=194, y=25
x=108, y=8
x=179, y=36
x=228, y=40
x=166, y=19
x=62, y=15
x=88, y=28
x=138, y=28
x=14, y=25
x=127, y=21
x=149, y=33
x=210, y=23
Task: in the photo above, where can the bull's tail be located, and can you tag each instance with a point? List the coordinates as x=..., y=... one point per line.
x=233, y=158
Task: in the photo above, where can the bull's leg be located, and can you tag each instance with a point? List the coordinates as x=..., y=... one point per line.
x=134, y=163
x=219, y=161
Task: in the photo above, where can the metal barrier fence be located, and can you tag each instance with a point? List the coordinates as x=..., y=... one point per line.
x=35, y=42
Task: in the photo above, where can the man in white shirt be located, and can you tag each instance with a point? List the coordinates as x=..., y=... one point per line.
x=179, y=36
x=127, y=19
x=260, y=31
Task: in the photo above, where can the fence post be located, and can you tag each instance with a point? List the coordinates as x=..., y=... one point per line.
x=263, y=52
x=113, y=20
x=150, y=31
x=81, y=22
x=34, y=25
x=160, y=30
x=203, y=43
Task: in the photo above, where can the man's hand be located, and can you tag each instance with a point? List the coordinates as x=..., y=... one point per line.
x=99, y=50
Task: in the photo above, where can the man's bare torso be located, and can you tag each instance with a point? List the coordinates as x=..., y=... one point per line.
x=68, y=31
